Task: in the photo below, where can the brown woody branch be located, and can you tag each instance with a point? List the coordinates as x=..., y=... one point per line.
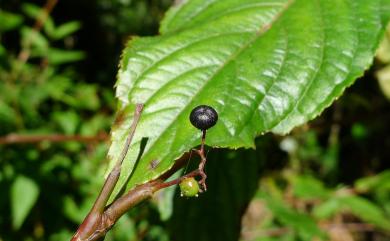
x=97, y=224
x=101, y=218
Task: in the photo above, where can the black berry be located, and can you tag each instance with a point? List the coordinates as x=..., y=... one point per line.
x=203, y=117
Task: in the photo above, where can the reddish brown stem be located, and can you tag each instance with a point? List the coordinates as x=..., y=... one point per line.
x=97, y=224
x=101, y=218
x=178, y=180
x=97, y=221
x=113, y=177
x=202, y=163
x=19, y=138
x=24, y=54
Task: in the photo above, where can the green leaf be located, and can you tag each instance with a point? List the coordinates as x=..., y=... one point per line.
x=7, y=113
x=3, y=51
x=301, y=222
x=67, y=120
x=59, y=56
x=66, y=29
x=360, y=207
x=229, y=192
x=368, y=183
x=164, y=199
x=32, y=10
x=24, y=194
x=9, y=21
x=36, y=39
x=308, y=187
x=263, y=65
x=366, y=210
x=87, y=97
x=327, y=209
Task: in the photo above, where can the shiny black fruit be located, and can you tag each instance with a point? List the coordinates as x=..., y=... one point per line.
x=203, y=117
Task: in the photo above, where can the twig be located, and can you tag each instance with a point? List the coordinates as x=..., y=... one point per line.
x=98, y=222
x=18, y=138
x=101, y=218
x=24, y=54
x=113, y=177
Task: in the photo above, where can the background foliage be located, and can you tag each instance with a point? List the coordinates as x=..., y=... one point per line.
x=327, y=179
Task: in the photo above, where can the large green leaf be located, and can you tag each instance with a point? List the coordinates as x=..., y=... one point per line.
x=264, y=65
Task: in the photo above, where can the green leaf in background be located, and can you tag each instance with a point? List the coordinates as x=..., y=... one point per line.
x=32, y=10
x=9, y=21
x=68, y=121
x=164, y=199
x=36, y=39
x=58, y=56
x=65, y=30
x=362, y=208
x=366, y=210
x=263, y=65
x=7, y=113
x=374, y=182
x=3, y=51
x=62, y=31
x=307, y=187
x=305, y=226
x=24, y=194
x=216, y=214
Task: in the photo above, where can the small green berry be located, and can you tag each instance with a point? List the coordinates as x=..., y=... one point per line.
x=189, y=187
x=203, y=117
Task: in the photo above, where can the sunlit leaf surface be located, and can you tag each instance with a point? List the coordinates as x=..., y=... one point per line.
x=264, y=65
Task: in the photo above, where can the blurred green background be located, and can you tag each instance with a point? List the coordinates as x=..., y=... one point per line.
x=327, y=180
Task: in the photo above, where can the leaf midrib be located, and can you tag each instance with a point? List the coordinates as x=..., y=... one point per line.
x=259, y=33
x=166, y=56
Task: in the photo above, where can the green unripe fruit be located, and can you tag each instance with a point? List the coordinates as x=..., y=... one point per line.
x=189, y=187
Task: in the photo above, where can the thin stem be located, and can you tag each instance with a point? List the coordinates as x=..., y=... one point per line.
x=203, y=140
x=202, y=163
x=20, y=138
x=113, y=177
x=98, y=222
x=102, y=218
x=197, y=172
x=178, y=180
x=24, y=54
